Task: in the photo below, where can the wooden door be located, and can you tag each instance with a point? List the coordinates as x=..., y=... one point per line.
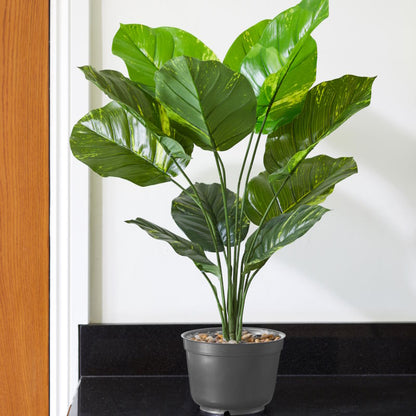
x=24, y=207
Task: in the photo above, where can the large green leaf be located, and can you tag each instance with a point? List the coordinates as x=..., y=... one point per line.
x=217, y=104
x=174, y=149
x=145, y=50
x=326, y=107
x=140, y=103
x=291, y=94
x=127, y=93
x=181, y=246
x=281, y=41
x=242, y=45
x=279, y=232
x=190, y=219
x=112, y=142
x=310, y=183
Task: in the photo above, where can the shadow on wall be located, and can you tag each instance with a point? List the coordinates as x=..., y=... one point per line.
x=383, y=147
x=364, y=251
x=96, y=182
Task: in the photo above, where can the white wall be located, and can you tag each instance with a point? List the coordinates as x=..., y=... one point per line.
x=358, y=263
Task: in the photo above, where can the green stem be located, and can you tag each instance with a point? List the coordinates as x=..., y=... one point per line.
x=242, y=293
x=211, y=228
x=237, y=229
x=248, y=282
x=263, y=218
x=240, y=307
x=243, y=300
x=269, y=107
x=254, y=155
x=208, y=220
x=230, y=298
x=276, y=198
x=214, y=289
x=245, y=279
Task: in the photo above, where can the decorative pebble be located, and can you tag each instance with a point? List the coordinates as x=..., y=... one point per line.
x=267, y=336
x=246, y=338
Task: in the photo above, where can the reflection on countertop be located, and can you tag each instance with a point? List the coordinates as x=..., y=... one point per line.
x=295, y=396
x=366, y=369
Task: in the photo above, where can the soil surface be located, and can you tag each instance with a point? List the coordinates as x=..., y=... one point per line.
x=246, y=338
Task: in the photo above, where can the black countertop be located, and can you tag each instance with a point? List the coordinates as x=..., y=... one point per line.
x=294, y=396
x=325, y=369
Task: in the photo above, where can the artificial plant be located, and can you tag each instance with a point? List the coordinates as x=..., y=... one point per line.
x=179, y=95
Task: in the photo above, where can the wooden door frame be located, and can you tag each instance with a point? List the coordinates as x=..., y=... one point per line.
x=24, y=207
x=69, y=197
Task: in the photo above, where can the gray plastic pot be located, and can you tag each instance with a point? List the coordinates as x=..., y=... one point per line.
x=235, y=378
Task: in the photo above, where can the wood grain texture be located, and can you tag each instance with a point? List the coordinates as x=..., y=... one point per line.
x=24, y=207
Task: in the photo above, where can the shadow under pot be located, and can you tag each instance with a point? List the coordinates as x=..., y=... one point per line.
x=238, y=378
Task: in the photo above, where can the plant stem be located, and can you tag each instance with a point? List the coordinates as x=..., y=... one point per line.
x=238, y=230
x=240, y=307
x=230, y=298
x=245, y=280
x=263, y=218
x=248, y=282
x=198, y=201
x=241, y=295
x=214, y=289
x=235, y=302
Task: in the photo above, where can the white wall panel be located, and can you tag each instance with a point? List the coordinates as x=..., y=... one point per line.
x=358, y=263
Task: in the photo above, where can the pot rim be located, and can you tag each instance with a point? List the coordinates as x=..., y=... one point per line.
x=259, y=330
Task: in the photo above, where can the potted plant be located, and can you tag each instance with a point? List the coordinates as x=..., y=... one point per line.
x=179, y=95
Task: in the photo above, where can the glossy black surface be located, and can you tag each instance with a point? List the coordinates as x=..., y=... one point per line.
x=325, y=370
x=313, y=349
x=295, y=396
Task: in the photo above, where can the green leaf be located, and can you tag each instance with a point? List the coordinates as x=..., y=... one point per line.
x=279, y=232
x=190, y=219
x=281, y=41
x=145, y=50
x=217, y=104
x=242, y=45
x=290, y=97
x=128, y=94
x=112, y=142
x=140, y=103
x=181, y=246
x=326, y=107
x=310, y=183
x=173, y=148
x=285, y=171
